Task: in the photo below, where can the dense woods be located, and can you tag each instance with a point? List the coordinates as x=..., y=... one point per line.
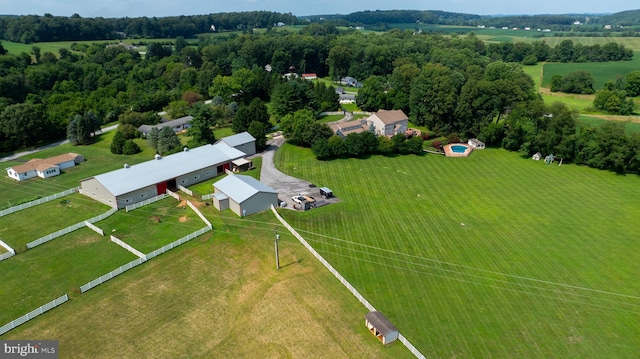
x=456, y=86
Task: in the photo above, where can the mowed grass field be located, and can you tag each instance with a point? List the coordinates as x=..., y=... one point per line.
x=491, y=256
x=218, y=296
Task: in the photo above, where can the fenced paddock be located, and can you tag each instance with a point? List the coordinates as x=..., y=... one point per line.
x=35, y=276
x=185, y=190
x=143, y=259
x=69, y=229
x=131, y=207
x=34, y=313
x=128, y=247
x=342, y=280
x=38, y=201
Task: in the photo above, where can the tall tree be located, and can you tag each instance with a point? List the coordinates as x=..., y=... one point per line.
x=167, y=140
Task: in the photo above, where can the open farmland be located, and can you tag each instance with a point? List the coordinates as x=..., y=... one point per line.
x=217, y=296
x=488, y=256
x=601, y=71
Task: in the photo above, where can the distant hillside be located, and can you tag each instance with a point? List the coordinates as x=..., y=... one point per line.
x=624, y=18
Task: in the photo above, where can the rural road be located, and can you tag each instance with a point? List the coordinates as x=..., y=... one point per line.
x=15, y=156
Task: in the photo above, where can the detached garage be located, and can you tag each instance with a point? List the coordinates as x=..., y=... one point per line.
x=245, y=195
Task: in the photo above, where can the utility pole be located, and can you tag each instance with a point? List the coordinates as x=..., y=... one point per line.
x=275, y=231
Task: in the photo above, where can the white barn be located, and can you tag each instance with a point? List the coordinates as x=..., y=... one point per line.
x=381, y=327
x=136, y=183
x=244, y=195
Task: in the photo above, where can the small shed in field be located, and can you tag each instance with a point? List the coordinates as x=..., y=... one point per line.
x=537, y=156
x=381, y=327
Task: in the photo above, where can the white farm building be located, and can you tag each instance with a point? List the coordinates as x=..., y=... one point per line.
x=137, y=183
x=244, y=195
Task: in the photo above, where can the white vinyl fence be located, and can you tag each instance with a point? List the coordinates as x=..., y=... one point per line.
x=38, y=201
x=128, y=247
x=14, y=323
x=185, y=190
x=131, y=207
x=172, y=194
x=342, y=280
x=94, y=228
x=207, y=196
x=139, y=261
x=180, y=241
x=112, y=274
x=10, y=252
x=69, y=229
x=6, y=255
x=195, y=209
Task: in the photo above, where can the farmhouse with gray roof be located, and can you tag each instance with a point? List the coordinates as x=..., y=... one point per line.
x=136, y=183
x=244, y=195
x=176, y=125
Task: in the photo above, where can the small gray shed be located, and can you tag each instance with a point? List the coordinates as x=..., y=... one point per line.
x=244, y=195
x=381, y=327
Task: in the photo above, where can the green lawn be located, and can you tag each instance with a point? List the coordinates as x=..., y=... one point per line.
x=630, y=127
x=40, y=275
x=601, y=71
x=153, y=226
x=19, y=228
x=488, y=256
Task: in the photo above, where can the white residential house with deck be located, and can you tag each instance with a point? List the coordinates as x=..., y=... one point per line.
x=44, y=168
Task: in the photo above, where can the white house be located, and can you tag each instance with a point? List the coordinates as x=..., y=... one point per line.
x=44, y=168
x=537, y=156
x=242, y=141
x=244, y=195
x=388, y=122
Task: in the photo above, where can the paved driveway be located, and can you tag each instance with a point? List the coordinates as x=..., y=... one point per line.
x=287, y=186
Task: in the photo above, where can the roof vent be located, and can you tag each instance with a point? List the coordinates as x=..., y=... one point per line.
x=157, y=156
x=126, y=165
x=186, y=149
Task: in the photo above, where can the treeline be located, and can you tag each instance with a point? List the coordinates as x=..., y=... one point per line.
x=565, y=51
x=32, y=28
x=533, y=128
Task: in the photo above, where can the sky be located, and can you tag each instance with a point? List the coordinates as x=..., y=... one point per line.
x=151, y=8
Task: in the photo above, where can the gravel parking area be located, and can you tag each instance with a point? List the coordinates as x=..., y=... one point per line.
x=287, y=186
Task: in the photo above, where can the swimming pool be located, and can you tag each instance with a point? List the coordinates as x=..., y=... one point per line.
x=459, y=148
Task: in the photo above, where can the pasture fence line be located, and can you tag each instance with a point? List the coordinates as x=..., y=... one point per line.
x=137, y=262
x=331, y=113
x=69, y=229
x=207, y=196
x=342, y=280
x=195, y=209
x=173, y=194
x=362, y=113
x=128, y=247
x=185, y=190
x=137, y=205
x=38, y=201
x=10, y=251
x=34, y=313
x=114, y=273
x=94, y=228
x=55, y=235
x=7, y=247
x=6, y=255
x=180, y=241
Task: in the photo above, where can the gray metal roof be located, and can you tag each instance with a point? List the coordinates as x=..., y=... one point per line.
x=240, y=188
x=148, y=173
x=173, y=123
x=380, y=322
x=237, y=139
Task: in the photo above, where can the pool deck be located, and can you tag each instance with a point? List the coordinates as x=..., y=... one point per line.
x=449, y=152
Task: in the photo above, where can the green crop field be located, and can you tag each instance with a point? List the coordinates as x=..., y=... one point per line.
x=601, y=71
x=487, y=256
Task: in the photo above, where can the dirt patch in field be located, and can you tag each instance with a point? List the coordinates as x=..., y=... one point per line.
x=547, y=91
x=182, y=203
x=182, y=219
x=155, y=219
